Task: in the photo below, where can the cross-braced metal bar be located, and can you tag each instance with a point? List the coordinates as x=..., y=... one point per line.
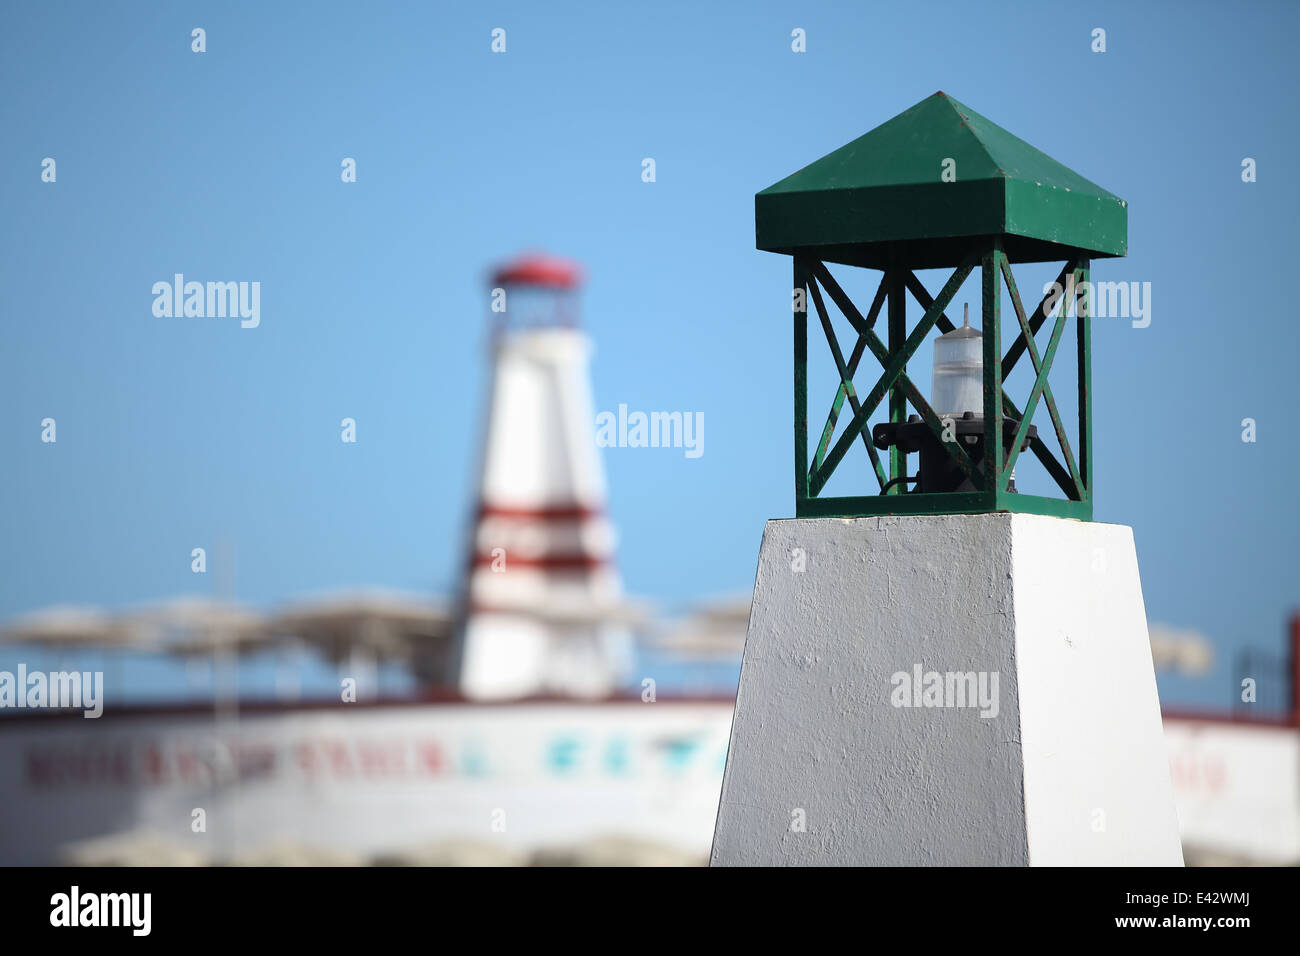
x=991, y=477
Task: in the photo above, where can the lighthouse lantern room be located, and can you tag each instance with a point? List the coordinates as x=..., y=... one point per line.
x=941, y=187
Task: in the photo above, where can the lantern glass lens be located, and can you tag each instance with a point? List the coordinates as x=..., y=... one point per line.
x=958, y=383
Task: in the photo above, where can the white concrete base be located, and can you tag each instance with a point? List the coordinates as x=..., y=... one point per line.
x=1064, y=764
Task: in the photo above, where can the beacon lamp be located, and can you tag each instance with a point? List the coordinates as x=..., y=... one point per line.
x=941, y=187
x=957, y=393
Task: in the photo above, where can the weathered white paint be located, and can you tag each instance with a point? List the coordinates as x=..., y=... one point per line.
x=1237, y=788
x=1053, y=606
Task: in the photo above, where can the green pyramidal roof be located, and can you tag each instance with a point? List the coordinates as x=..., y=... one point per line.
x=917, y=188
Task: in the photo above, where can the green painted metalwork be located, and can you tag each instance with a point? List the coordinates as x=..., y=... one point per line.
x=1036, y=322
x=956, y=503
x=883, y=199
x=991, y=295
x=800, y=381
x=877, y=203
x=897, y=401
x=845, y=390
x=919, y=293
x=1083, y=323
x=894, y=369
x=868, y=339
x=1041, y=389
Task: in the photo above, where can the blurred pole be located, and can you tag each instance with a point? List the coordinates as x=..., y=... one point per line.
x=225, y=689
x=288, y=669
x=225, y=671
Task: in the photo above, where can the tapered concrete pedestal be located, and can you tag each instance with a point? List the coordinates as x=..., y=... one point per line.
x=947, y=690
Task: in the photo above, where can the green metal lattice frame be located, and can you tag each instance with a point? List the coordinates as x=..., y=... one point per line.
x=1073, y=477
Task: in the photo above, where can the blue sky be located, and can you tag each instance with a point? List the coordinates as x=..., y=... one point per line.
x=175, y=434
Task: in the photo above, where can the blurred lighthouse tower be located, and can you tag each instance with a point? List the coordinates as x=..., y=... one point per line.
x=541, y=609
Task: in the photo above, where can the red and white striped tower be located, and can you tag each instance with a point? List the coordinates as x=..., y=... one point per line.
x=543, y=598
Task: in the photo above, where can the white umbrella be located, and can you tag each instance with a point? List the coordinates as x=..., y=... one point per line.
x=1188, y=651
x=384, y=623
x=67, y=625
x=715, y=628
x=199, y=625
